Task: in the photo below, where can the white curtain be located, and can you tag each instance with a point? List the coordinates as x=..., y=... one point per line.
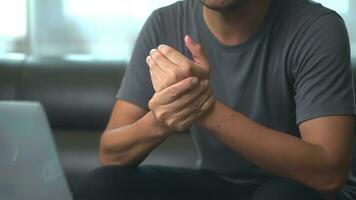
x=100, y=29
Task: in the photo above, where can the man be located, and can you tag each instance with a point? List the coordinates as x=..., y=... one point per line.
x=265, y=87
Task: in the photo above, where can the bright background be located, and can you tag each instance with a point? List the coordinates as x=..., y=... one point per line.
x=99, y=29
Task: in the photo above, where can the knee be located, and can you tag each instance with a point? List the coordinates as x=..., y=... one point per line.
x=104, y=183
x=282, y=189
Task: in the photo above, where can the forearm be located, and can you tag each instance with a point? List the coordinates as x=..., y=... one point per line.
x=273, y=150
x=130, y=145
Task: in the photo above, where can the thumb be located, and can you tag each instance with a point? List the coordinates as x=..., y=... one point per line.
x=197, y=52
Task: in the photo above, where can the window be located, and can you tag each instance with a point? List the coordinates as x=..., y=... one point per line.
x=104, y=29
x=100, y=29
x=346, y=8
x=340, y=6
x=13, y=27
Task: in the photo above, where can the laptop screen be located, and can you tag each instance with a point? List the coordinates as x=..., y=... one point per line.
x=29, y=165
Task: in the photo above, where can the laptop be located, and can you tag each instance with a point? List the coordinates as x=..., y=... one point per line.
x=29, y=164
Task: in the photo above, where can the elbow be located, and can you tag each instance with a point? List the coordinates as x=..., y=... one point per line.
x=108, y=157
x=334, y=185
x=106, y=160
x=104, y=156
x=331, y=183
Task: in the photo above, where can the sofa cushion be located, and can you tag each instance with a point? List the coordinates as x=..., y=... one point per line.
x=75, y=94
x=10, y=73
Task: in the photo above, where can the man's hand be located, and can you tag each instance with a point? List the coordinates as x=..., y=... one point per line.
x=179, y=105
x=168, y=66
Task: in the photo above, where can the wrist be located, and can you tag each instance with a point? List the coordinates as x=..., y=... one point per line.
x=157, y=127
x=217, y=117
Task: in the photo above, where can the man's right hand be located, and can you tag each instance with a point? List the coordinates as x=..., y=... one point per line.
x=178, y=106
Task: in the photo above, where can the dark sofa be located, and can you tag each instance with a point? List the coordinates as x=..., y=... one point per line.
x=78, y=96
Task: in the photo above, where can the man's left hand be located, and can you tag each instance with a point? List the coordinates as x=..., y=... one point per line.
x=169, y=66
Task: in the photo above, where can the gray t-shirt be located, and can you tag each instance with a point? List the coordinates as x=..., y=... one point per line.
x=295, y=68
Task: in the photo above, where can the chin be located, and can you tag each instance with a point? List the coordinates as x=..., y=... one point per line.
x=222, y=5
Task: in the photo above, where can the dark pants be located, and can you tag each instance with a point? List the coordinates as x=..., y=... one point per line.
x=154, y=182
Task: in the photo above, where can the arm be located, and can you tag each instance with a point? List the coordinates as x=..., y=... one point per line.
x=320, y=159
x=135, y=129
x=133, y=133
x=130, y=135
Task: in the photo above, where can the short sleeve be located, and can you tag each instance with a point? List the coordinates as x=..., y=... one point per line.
x=136, y=86
x=322, y=70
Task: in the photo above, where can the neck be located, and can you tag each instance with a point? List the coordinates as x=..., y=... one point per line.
x=233, y=27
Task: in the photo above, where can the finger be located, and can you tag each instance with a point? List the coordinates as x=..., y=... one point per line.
x=153, y=65
x=149, y=62
x=196, y=50
x=153, y=55
x=154, y=68
x=192, y=99
x=156, y=73
x=199, y=57
x=155, y=78
x=150, y=65
x=196, y=103
x=185, y=109
x=173, y=55
x=187, y=116
x=203, y=98
x=162, y=61
x=187, y=122
x=194, y=106
x=182, y=108
x=173, y=92
x=206, y=106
